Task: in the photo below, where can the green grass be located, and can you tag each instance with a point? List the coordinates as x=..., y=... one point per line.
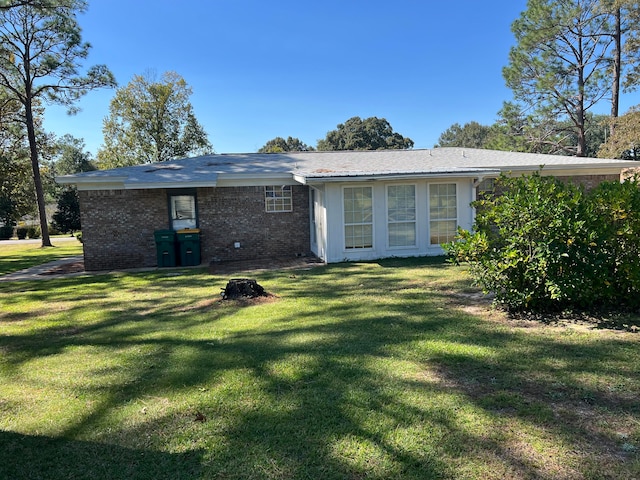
x=366, y=370
x=15, y=257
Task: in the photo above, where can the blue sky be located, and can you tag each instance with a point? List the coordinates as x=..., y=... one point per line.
x=261, y=69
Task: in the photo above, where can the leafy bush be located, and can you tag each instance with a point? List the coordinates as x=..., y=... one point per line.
x=21, y=233
x=541, y=244
x=33, y=232
x=67, y=216
x=6, y=232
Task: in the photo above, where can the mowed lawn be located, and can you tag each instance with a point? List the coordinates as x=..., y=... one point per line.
x=385, y=370
x=18, y=256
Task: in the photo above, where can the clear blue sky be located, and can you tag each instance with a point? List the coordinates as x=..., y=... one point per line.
x=261, y=69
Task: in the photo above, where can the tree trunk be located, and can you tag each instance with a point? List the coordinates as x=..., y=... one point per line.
x=617, y=62
x=581, y=148
x=33, y=148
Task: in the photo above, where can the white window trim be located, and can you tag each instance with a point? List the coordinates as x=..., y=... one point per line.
x=283, y=198
x=415, y=221
x=457, y=219
x=372, y=223
x=180, y=223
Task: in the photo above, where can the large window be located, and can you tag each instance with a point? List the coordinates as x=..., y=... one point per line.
x=358, y=217
x=401, y=215
x=278, y=198
x=183, y=211
x=443, y=213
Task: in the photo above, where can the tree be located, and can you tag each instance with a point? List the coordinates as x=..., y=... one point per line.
x=67, y=216
x=369, y=134
x=16, y=186
x=279, y=145
x=625, y=141
x=71, y=156
x=625, y=32
x=560, y=63
x=151, y=121
x=41, y=52
x=7, y=4
x=471, y=135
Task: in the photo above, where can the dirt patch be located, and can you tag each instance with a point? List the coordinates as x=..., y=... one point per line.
x=242, y=301
x=73, y=267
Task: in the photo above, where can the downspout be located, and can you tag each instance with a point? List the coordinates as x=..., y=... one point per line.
x=474, y=196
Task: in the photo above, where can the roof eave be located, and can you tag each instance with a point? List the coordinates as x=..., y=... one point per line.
x=568, y=166
x=310, y=179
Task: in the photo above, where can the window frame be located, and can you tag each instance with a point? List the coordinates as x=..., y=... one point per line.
x=414, y=222
x=369, y=224
x=448, y=219
x=274, y=196
x=171, y=195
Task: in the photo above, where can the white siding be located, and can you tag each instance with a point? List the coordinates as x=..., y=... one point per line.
x=333, y=221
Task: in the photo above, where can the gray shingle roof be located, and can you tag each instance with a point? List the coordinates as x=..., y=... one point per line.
x=304, y=166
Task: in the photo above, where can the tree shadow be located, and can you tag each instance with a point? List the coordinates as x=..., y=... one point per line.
x=37, y=457
x=304, y=393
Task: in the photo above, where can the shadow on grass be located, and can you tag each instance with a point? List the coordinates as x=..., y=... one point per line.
x=314, y=386
x=25, y=457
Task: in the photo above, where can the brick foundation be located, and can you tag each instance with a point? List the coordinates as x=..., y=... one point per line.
x=118, y=226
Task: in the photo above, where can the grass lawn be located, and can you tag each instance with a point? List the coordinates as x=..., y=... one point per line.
x=15, y=257
x=384, y=370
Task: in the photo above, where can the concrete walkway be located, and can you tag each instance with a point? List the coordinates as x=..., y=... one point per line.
x=40, y=272
x=46, y=271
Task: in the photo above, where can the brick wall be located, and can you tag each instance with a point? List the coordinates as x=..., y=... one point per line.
x=237, y=214
x=591, y=181
x=118, y=225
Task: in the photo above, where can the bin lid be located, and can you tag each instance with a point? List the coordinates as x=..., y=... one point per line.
x=189, y=230
x=164, y=232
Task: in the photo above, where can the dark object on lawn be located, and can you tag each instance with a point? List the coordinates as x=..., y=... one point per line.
x=242, y=287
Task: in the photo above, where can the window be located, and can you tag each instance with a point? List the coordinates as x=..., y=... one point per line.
x=278, y=198
x=358, y=217
x=401, y=215
x=183, y=211
x=486, y=187
x=443, y=213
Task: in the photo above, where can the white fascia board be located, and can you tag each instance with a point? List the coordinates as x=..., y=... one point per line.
x=113, y=185
x=160, y=185
x=577, y=168
x=73, y=180
x=244, y=180
x=309, y=180
x=81, y=187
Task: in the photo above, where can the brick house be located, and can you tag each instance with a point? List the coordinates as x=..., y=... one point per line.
x=350, y=205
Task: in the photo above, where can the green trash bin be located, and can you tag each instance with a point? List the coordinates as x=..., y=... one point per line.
x=165, y=247
x=189, y=246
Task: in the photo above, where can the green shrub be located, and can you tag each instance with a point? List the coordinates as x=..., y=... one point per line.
x=53, y=230
x=614, y=216
x=21, y=233
x=33, y=232
x=6, y=232
x=67, y=216
x=542, y=244
x=79, y=236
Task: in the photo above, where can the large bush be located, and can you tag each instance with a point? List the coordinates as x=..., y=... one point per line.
x=67, y=216
x=6, y=232
x=542, y=244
